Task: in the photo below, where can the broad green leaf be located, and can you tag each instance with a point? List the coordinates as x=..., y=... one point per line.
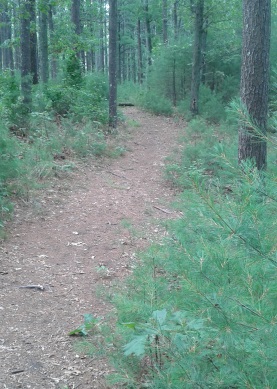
x=136, y=346
x=80, y=331
x=160, y=316
x=196, y=324
x=181, y=341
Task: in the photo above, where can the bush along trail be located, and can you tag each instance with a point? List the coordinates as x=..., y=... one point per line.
x=66, y=251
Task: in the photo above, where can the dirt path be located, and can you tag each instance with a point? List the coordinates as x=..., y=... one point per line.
x=70, y=243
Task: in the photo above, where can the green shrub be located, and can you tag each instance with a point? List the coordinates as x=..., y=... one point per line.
x=61, y=98
x=201, y=308
x=10, y=170
x=73, y=72
x=87, y=102
x=155, y=103
x=210, y=147
x=11, y=105
x=210, y=105
x=128, y=92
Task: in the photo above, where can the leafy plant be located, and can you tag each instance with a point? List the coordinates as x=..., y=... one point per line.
x=200, y=308
x=84, y=329
x=155, y=103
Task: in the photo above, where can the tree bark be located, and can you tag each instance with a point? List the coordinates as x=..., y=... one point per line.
x=139, y=48
x=165, y=26
x=54, y=62
x=255, y=81
x=6, y=35
x=25, y=58
x=43, y=37
x=175, y=20
x=148, y=32
x=198, y=10
x=15, y=14
x=33, y=43
x=101, y=62
x=78, y=27
x=113, y=63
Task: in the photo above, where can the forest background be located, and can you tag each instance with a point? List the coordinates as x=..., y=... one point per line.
x=201, y=307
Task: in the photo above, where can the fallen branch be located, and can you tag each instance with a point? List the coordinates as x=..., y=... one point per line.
x=37, y=287
x=161, y=209
x=117, y=175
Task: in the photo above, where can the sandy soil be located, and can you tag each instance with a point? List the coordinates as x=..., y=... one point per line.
x=73, y=239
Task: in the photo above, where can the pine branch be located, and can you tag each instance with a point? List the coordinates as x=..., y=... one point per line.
x=208, y=202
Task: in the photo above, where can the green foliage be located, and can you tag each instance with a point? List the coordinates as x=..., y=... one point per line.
x=155, y=103
x=207, y=146
x=60, y=98
x=66, y=122
x=11, y=104
x=170, y=73
x=211, y=107
x=73, y=72
x=84, y=329
x=128, y=92
x=200, y=308
x=88, y=102
x=10, y=169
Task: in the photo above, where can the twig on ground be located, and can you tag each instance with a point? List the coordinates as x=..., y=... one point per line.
x=161, y=209
x=38, y=287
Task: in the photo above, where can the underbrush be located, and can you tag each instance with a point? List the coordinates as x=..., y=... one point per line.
x=143, y=97
x=67, y=122
x=200, y=309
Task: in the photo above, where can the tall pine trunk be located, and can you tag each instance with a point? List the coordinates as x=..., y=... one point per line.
x=101, y=61
x=33, y=43
x=139, y=49
x=43, y=37
x=148, y=32
x=6, y=35
x=54, y=59
x=165, y=24
x=255, y=80
x=198, y=10
x=26, y=81
x=113, y=63
x=78, y=27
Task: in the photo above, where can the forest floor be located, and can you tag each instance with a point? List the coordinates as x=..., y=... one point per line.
x=73, y=241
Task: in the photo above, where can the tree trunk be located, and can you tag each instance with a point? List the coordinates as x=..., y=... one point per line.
x=139, y=48
x=198, y=10
x=204, y=51
x=33, y=43
x=6, y=35
x=165, y=26
x=78, y=27
x=101, y=62
x=148, y=32
x=15, y=14
x=112, y=63
x=174, y=94
x=26, y=86
x=175, y=20
x=43, y=37
x=119, y=53
x=255, y=80
x=54, y=64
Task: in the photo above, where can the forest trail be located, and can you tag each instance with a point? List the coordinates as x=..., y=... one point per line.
x=75, y=239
